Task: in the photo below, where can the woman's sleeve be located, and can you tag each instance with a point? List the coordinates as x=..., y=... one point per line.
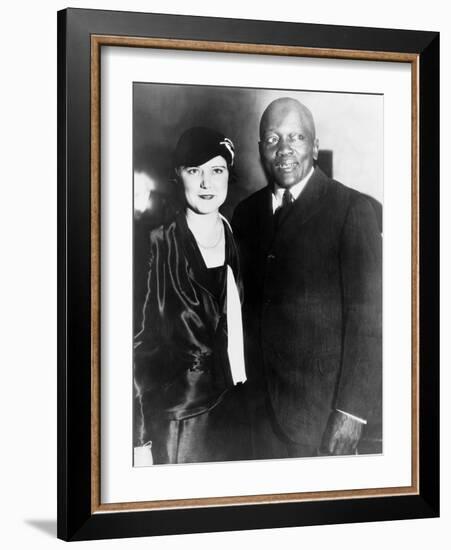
x=147, y=350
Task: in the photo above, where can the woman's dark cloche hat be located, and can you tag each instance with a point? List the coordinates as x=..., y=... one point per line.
x=198, y=145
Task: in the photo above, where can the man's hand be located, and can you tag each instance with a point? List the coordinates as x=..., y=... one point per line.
x=341, y=435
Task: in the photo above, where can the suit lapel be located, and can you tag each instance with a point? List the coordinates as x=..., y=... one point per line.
x=307, y=204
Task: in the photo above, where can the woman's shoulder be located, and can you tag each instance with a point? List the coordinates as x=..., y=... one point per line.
x=161, y=233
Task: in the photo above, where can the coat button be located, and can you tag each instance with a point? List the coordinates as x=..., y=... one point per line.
x=270, y=257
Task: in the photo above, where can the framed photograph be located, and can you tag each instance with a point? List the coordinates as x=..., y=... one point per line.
x=248, y=274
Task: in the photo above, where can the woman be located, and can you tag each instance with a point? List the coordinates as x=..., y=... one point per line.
x=191, y=408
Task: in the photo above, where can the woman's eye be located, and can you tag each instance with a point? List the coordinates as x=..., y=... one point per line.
x=218, y=171
x=192, y=171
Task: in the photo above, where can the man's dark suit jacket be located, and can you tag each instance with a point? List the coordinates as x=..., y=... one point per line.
x=312, y=309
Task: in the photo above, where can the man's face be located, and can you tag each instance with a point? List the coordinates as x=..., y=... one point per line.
x=287, y=143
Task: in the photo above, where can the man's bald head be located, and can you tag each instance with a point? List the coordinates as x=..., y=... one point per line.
x=288, y=144
x=282, y=107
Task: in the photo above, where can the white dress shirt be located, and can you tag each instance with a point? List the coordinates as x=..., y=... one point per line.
x=295, y=190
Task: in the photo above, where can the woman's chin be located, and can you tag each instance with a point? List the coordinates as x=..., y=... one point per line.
x=203, y=209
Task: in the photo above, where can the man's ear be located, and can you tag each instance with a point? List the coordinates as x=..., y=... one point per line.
x=315, y=148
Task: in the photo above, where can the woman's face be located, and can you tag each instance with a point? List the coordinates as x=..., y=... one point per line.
x=205, y=185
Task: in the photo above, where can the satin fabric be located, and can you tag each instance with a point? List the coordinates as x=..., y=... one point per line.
x=187, y=404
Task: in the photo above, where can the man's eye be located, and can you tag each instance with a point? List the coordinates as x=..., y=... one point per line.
x=271, y=140
x=297, y=137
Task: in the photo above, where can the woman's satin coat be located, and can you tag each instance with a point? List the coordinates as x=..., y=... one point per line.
x=181, y=366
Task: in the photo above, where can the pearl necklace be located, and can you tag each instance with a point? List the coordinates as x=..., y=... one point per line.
x=206, y=247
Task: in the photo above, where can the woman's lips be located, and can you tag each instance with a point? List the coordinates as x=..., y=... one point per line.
x=207, y=197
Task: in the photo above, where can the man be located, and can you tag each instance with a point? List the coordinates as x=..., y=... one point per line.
x=311, y=257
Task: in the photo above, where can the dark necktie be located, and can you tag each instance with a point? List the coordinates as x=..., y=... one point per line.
x=284, y=208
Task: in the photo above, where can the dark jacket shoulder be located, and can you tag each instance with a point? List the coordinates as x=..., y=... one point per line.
x=340, y=198
x=248, y=211
x=252, y=202
x=160, y=232
x=346, y=200
x=358, y=203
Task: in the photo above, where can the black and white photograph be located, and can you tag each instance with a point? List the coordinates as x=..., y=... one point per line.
x=257, y=274
x=225, y=272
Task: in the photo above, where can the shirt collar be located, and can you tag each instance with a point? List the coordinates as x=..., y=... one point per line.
x=295, y=190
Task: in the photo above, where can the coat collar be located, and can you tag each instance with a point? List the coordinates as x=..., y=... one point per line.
x=309, y=201
x=304, y=207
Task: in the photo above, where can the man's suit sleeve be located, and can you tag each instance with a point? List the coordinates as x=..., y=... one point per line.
x=360, y=383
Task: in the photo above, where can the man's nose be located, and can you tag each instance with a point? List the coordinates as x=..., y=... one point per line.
x=284, y=147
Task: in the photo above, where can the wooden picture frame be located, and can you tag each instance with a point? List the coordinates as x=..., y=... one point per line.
x=81, y=36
